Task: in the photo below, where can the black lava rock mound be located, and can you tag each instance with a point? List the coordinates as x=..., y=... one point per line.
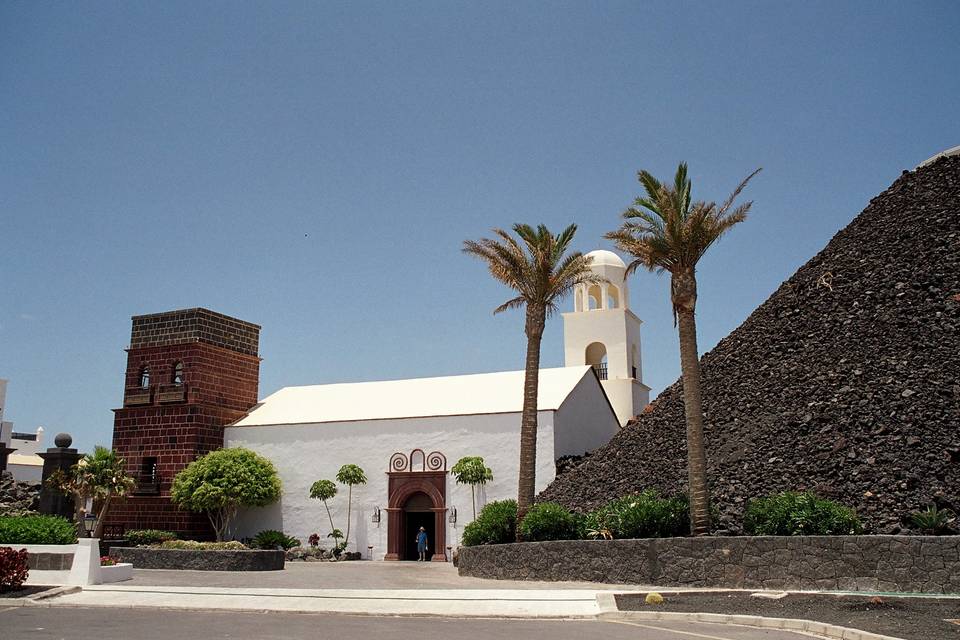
x=846, y=381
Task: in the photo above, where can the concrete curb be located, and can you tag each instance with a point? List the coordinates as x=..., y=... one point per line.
x=786, y=624
x=37, y=600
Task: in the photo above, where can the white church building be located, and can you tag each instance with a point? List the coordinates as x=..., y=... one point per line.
x=407, y=434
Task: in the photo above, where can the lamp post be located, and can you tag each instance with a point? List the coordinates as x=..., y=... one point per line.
x=89, y=524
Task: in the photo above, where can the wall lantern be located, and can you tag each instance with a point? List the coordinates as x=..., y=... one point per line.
x=452, y=518
x=89, y=523
x=375, y=518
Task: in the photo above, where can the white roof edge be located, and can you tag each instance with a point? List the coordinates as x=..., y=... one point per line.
x=471, y=394
x=953, y=151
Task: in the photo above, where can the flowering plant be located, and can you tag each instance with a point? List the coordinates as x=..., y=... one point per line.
x=108, y=561
x=314, y=539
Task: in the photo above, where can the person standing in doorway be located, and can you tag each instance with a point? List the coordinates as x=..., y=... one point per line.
x=422, y=544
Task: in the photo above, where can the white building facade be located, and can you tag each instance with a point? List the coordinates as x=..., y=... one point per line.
x=406, y=435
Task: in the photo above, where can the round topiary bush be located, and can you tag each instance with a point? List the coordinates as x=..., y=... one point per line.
x=799, y=514
x=549, y=521
x=496, y=524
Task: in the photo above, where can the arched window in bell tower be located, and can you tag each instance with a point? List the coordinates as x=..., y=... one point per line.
x=594, y=297
x=144, y=377
x=177, y=377
x=596, y=357
x=613, y=296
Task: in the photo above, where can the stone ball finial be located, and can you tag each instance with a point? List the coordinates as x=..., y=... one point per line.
x=63, y=440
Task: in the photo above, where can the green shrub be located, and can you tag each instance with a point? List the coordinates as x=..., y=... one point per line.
x=193, y=545
x=272, y=539
x=496, y=524
x=549, y=521
x=146, y=537
x=643, y=515
x=37, y=530
x=799, y=514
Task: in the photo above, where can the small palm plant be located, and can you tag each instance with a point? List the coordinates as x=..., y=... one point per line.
x=324, y=490
x=541, y=272
x=100, y=475
x=933, y=521
x=471, y=470
x=350, y=475
x=336, y=534
x=666, y=231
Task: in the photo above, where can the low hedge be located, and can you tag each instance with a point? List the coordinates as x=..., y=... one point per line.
x=642, y=515
x=147, y=537
x=193, y=545
x=799, y=514
x=495, y=524
x=37, y=530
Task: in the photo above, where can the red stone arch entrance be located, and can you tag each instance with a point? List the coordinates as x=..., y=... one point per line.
x=412, y=477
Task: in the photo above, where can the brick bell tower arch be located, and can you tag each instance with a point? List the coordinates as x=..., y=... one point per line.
x=412, y=477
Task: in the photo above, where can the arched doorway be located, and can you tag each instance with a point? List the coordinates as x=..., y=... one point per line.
x=418, y=512
x=417, y=486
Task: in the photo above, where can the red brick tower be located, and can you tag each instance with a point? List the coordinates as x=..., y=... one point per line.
x=189, y=373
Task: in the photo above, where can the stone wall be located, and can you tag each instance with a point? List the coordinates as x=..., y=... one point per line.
x=251, y=560
x=928, y=564
x=17, y=498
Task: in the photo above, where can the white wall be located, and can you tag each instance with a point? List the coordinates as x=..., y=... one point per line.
x=308, y=452
x=26, y=472
x=585, y=420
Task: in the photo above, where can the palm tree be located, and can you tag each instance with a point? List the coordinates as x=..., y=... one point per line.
x=665, y=231
x=350, y=475
x=537, y=269
x=100, y=475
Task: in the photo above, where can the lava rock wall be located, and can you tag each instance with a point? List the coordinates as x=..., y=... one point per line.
x=846, y=381
x=18, y=498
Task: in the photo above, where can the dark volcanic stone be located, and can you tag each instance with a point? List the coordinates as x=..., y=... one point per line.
x=17, y=498
x=197, y=560
x=846, y=381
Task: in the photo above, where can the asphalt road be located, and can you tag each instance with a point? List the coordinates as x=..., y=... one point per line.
x=42, y=623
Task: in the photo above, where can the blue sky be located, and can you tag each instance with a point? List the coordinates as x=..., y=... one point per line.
x=315, y=167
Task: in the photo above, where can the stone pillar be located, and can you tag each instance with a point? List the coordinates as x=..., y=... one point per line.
x=60, y=457
x=4, y=452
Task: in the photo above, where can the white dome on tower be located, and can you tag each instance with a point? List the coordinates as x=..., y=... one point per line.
x=604, y=258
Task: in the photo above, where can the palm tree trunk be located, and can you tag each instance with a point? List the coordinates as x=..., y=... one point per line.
x=536, y=318
x=473, y=500
x=696, y=454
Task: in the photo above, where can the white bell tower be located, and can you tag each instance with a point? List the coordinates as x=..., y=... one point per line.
x=602, y=331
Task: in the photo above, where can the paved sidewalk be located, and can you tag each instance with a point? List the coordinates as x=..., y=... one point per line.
x=353, y=575
x=526, y=603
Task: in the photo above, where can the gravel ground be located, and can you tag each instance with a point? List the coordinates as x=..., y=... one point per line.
x=909, y=618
